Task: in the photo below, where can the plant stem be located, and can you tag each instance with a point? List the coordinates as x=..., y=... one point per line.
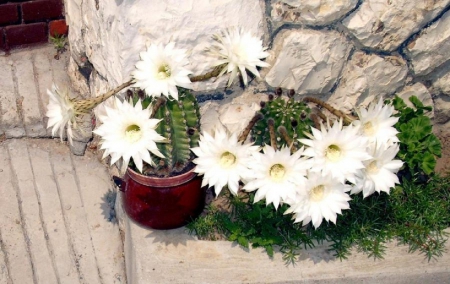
x=320, y=114
x=347, y=118
x=283, y=132
x=250, y=125
x=315, y=119
x=214, y=73
x=83, y=106
x=159, y=102
x=273, y=139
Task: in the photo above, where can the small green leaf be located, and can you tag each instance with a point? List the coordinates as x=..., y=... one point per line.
x=418, y=127
x=428, y=163
x=269, y=250
x=416, y=102
x=242, y=241
x=434, y=145
x=398, y=103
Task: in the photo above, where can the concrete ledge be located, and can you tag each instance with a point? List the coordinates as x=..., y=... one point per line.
x=174, y=256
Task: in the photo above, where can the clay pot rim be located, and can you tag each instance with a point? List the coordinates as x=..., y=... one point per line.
x=164, y=181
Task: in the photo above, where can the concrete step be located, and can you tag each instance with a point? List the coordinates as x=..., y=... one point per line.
x=174, y=256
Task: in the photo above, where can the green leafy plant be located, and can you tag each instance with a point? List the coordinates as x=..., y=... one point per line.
x=419, y=147
x=60, y=43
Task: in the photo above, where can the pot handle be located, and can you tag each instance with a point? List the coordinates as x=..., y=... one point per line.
x=120, y=183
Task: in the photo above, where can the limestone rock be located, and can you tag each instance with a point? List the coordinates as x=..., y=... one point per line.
x=209, y=116
x=79, y=83
x=386, y=24
x=421, y=92
x=313, y=12
x=237, y=114
x=366, y=77
x=441, y=82
x=307, y=61
x=113, y=33
x=431, y=48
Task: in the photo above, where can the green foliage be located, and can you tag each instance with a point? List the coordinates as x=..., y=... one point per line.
x=59, y=41
x=416, y=213
x=293, y=115
x=419, y=147
x=179, y=124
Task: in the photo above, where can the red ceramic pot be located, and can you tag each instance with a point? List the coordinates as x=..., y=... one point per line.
x=162, y=203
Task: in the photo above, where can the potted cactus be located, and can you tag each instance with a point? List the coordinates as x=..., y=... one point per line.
x=155, y=128
x=167, y=193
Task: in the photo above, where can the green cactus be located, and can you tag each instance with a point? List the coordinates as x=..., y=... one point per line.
x=290, y=114
x=180, y=124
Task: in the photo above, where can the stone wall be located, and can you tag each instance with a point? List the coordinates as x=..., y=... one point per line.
x=347, y=52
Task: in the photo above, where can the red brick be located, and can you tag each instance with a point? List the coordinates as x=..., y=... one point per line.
x=9, y=14
x=58, y=27
x=2, y=39
x=41, y=10
x=20, y=35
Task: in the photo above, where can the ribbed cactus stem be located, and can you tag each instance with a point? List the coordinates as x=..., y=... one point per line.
x=273, y=137
x=84, y=106
x=347, y=118
x=249, y=127
x=284, y=134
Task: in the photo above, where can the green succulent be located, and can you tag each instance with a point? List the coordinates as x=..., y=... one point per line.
x=289, y=115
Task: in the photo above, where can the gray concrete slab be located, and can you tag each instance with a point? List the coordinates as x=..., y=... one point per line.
x=54, y=226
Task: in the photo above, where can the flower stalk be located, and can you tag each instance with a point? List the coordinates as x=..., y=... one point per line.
x=347, y=118
x=258, y=116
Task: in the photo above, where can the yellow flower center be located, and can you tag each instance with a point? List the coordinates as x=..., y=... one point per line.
x=372, y=168
x=333, y=153
x=227, y=159
x=368, y=128
x=277, y=172
x=164, y=72
x=317, y=193
x=133, y=133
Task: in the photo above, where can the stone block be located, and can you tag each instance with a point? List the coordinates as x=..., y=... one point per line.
x=431, y=48
x=308, y=61
x=9, y=14
x=315, y=12
x=386, y=25
x=366, y=77
x=20, y=35
x=41, y=10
